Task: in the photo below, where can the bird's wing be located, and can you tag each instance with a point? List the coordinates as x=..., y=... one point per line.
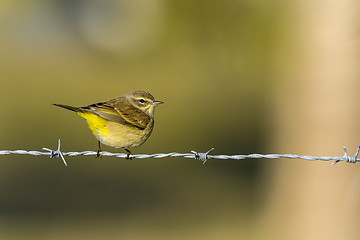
x=128, y=114
x=105, y=111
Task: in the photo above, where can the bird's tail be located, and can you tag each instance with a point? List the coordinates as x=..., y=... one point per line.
x=75, y=109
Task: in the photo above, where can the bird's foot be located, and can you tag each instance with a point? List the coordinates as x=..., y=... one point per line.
x=98, y=155
x=128, y=153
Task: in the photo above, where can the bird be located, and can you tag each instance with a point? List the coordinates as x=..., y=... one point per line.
x=124, y=122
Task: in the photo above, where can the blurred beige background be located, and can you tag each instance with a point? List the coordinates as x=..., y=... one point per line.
x=240, y=76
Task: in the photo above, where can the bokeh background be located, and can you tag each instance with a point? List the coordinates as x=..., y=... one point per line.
x=242, y=76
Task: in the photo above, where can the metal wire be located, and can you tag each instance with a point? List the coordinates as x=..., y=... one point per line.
x=203, y=157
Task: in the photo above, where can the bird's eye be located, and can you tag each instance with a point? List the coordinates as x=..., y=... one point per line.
x=142, y=100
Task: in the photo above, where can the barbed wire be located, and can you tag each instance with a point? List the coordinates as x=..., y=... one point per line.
x=203, y=157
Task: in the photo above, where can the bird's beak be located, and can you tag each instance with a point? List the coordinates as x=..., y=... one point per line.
x=157, y=102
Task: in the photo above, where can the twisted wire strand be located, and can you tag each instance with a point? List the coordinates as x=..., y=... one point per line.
x=203, y=157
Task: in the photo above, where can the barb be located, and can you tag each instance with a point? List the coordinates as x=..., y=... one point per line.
x=203, y=157
x=56, y=153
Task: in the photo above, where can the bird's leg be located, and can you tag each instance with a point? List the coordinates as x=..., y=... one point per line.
x=99, y=150
x=128, y=153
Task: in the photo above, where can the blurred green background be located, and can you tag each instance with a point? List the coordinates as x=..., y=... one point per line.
x=231, y=76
